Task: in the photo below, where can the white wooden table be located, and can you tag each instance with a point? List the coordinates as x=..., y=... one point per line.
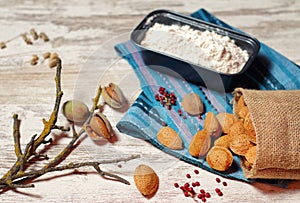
x=83, y=34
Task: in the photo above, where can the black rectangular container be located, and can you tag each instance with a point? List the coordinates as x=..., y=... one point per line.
x=184, y=69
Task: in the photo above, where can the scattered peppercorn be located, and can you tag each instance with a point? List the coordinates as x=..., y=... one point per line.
x=188, y=188
x=186, y=185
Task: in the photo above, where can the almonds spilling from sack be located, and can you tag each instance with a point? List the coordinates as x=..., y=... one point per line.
x=146, y=180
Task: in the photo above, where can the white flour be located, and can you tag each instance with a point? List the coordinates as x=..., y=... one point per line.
x=207, y=49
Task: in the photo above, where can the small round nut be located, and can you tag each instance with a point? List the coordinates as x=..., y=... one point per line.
x=192, y=104
x=200, y=143
x=219, y=158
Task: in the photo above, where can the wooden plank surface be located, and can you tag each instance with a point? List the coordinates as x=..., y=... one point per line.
x=83, y=34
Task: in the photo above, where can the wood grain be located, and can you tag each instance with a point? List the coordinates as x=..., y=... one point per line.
x=83, y=34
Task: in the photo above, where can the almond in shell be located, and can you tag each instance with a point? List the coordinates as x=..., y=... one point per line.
x=169, y=138
x=219, y=158
x=240, y=144
x=226, y=120
x=223, y=141
x=146, y=180
x=236, y=129
x=200, y=143
x=99, y=127
x=249, y=129
x=192, y=104
x=212, y=125
x=251, y=155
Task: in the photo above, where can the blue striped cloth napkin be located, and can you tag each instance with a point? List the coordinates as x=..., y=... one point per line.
x=144, y=118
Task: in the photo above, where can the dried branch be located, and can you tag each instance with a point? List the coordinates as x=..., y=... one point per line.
x=16, y=134
x=16, y=177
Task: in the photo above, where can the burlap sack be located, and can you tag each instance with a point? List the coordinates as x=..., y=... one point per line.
x=276, y=119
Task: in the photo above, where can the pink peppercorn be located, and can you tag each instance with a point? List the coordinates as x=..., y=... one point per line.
x=218, y=180
x=220, y=193
x=186, y=193
x=197, y=183
x=224, y=183
x=186, y=185
x=176, y=185
x=202, y=191
x=207, y=195
x=188, y=175
x=217, y=190
x=203, y=199
x=196, y=171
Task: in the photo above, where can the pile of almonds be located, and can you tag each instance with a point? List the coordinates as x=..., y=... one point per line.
x=222, y=135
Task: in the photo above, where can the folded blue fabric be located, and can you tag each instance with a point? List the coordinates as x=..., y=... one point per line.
x=270, y=70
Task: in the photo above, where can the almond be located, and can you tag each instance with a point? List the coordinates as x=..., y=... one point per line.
x=240, y=145
x=243, y=112
x=169, y=138
x=219, y=158
x=212, y=125
x=236, y=129
x=146, y=180
x=249, y=129
x=225, y=120
x=251, y=155
x=200, y=143
x=192, y=104
x=223, y=141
